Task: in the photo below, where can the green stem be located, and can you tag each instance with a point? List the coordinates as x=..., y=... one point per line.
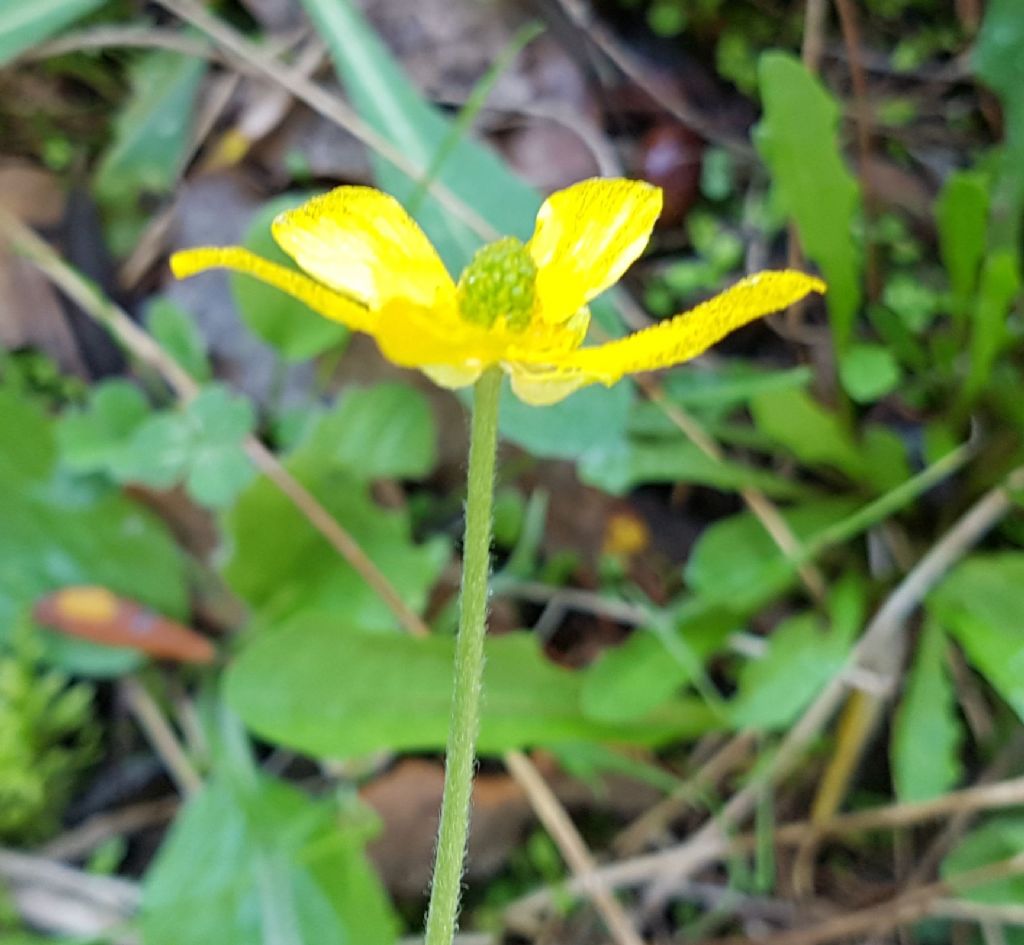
x=469, y=665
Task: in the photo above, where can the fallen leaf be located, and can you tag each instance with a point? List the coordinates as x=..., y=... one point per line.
x=95, y=614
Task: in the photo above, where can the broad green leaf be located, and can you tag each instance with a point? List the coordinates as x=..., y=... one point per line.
x=633, y=679
x=801, y=657
x=620, y=467
x=999, y=838
x=282, y=566
x=262, y=863
x=926, y=733
x=158, y=453
x=381, y=432
x=57, y=534
x=799, y=142
x=392, y=106
x=92, y=438
x=177, y=334
x=981, y=603
x=730, y=384
x=868, y=372
x=590, y=418
x=999, y=63
x=736, y=564
x=150, y=138
x=323, y=687
x=961, y=213
x=201, y=445
x=22, y=25
x=814, y=435
x=1000, y=283
x=294, y=329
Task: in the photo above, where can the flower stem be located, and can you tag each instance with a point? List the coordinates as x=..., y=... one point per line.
x=469, y=665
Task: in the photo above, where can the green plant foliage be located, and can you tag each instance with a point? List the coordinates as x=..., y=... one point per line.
x=979, y=604
x=382, y=432
x=94, y=438
x=798, y=140
x=927, y=734
x=323, y=687
x=150, y=138
x=801, y=656
x=961, y=214
x=201, y=445
x=810, y=432
x=22, y=25
x=177, y=334
x=869, y=372
x=999, y=838
x=391, y=105
x=620, y=467
x=282, y=566
x=1000, y=283
x=261, y=862
x=291, y=327
x=737, y=565
x=999, y=63
x=56, y=534
x=653, y=665
x=47, y=736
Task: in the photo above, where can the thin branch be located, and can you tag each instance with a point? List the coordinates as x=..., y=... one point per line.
x=161, y=736
x=579, y=859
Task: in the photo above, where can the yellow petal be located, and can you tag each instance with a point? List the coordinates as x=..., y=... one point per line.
x=361, y=241
x=410, y=335
x=330, y=304
x=692, y=333
x=585, y=239
x=541, y=387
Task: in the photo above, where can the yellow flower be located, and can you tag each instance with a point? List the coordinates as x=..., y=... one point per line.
x=522, y=306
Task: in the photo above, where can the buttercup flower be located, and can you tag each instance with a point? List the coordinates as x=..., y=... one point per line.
x=522, y=306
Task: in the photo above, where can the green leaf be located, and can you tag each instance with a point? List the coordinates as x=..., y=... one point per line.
x=150, y=139
x=281, y=565
x=620, y=467
x=1000, y=283
x=981, y=603
x=22, y=25
x=632, y=680
x=158, y=454
x=868, y=372
x=202, y=445
x=961, y=214
x=999, y=838
x=294, y=329
x=926, y=733
x=799, y=142
x=736, y=564
x=386, y=99
x=321, y=687
x=382, y=432
x=274, y=867
x=92, y=439
x=999, y=63
x=177, y=334
x=801, y=657
x=813, y=434
x=55, y=535
x=590, y=418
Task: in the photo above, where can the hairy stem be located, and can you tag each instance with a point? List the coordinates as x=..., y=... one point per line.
x=469, y=665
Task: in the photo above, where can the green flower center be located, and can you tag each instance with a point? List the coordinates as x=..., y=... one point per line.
x=499, y=281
